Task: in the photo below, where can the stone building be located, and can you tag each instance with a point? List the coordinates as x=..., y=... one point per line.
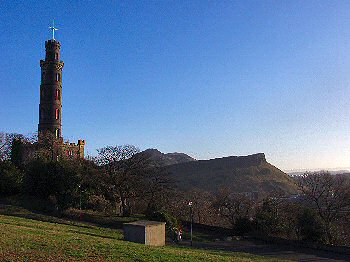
x=151, y=233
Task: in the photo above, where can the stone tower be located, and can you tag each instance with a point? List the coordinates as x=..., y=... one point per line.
x=50, y=108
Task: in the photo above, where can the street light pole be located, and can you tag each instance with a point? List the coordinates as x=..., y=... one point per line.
x=191, y=217
x=80, y=215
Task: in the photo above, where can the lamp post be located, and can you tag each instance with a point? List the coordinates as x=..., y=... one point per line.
x=80, y=216
x=191, y=217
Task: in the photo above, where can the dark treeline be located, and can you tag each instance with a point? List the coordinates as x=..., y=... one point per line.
x=121, y=182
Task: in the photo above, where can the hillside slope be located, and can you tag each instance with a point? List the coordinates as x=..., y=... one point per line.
x=251, y=174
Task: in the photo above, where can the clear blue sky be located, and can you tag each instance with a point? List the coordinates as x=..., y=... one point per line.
x=208, y=78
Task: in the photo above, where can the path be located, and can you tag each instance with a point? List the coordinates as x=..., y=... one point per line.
x=271, y=250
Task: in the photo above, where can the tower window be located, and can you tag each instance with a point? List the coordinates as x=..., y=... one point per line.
x=57, y=95
x=57, y=113
x=57, y=133
x=58, y=77
x=56, y=56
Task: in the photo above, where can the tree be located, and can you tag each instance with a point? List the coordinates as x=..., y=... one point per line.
x=6, y=140
x=329, y=195
x=267, y=217
x=48, y=147
x=155, y=186
x=11, y=179
x=202, y=206
x=90, y=186
x=310, y=225
x=110, y=155
x=288, y=214
x=236, y=208
x=130, y=176
x=58, y=180
x=120, y=174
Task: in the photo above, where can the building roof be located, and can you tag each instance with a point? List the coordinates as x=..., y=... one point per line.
x=144, y=223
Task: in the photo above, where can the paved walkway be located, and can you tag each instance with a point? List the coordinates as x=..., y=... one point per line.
x=271, y=250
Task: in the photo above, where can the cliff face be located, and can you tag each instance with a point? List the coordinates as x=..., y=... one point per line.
x=227, y=162
x=245, y=174
x=248, y=174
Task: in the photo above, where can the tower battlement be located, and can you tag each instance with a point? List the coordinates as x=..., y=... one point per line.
x=52, y=42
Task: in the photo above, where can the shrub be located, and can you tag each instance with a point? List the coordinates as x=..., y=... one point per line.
x=242, y=226
x=58, y=180
x=11, y=179
x=310, y=226
x=266, y=219
x=98, y=203
x=161, y=216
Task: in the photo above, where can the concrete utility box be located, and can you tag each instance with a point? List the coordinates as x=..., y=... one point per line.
x=150, y=233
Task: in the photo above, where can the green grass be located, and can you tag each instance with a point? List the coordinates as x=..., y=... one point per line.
x=23, y=239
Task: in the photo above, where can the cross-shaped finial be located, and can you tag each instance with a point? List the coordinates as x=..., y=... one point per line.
x=53, y=28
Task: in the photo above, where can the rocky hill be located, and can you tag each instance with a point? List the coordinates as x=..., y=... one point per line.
x=252, y=173
x=164, y=159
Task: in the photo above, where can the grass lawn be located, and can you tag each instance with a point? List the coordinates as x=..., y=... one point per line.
x=23, y=239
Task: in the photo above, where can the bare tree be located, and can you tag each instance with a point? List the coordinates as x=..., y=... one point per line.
x=110, y=155
x=233, y=206
x=203, y=209
x=329, y=194
x=48, y=147
x=121, y=178
x=156, y=185
x=6, y=140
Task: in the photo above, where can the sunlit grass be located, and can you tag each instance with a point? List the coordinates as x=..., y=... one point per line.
x=23, y=239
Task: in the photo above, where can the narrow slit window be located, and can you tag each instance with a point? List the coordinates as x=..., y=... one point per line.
x=58, y=77
x=56, y=56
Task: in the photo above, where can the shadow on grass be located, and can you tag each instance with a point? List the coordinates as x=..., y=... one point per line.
x=93, y=234
x=35, y=209
x=9, y=210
